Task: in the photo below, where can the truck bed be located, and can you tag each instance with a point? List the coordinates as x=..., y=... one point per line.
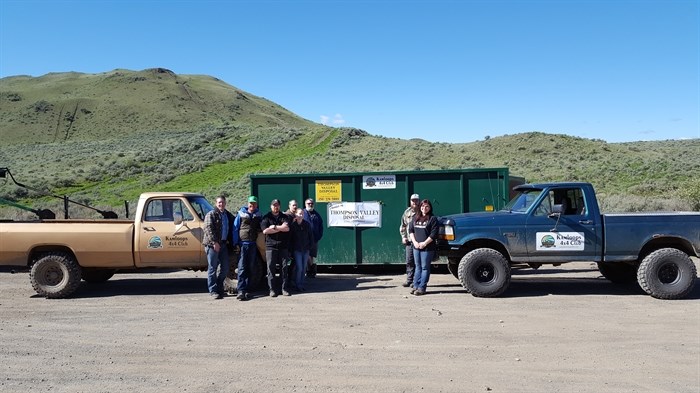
x=94, y=242
x=626, y=232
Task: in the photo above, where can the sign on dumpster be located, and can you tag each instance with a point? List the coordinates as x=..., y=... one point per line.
x=355, y=214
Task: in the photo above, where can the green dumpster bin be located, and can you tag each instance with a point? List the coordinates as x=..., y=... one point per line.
x=362, y=211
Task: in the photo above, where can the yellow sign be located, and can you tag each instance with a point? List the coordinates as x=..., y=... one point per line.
x=328, y=191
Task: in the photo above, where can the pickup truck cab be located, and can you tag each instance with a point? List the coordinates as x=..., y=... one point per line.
x=554, y=223
x=166, y=233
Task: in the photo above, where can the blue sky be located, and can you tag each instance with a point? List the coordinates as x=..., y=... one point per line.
x=444, y=71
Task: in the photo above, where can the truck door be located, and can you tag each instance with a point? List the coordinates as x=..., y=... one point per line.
x=161, y=243
x=571, y=236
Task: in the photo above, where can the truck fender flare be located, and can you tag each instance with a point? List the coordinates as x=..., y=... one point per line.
x=38, y=252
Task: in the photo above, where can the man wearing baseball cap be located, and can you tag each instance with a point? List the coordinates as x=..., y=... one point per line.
x=246, y=228
x=403, y=230
x=275, y=225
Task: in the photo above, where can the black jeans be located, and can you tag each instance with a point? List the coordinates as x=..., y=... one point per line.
x=274, y=259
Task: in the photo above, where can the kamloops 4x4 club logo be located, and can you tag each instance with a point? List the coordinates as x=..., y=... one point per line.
x=560, y=241
x=155, y=242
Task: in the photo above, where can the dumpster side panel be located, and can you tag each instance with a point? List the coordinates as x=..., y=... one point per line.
x=450, y=192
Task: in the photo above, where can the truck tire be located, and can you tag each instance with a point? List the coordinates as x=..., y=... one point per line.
x=667, y=273
x=55, y=275
x=97, y=275
x=618, y=272
x=453, y=266
x=484, y=272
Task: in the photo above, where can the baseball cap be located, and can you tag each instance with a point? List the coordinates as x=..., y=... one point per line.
x=275, y=202
x=252, y=199
x=415, y=196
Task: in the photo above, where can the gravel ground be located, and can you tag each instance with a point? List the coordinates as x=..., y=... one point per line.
x=560, y=329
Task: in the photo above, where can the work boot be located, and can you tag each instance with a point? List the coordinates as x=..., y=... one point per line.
x=311, y=271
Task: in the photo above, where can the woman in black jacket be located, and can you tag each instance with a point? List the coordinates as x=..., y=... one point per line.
x=423, y=231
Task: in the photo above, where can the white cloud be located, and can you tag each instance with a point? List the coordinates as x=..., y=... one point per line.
x=336, y=121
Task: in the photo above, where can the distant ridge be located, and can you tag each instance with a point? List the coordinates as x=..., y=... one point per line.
x=77, y=106
x=105, y=138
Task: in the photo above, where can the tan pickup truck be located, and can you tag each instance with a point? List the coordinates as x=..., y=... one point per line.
x=166, y=232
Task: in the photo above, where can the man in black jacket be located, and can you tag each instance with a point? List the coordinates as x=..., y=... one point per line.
x=218, y=234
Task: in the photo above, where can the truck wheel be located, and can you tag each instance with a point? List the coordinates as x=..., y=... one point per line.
x=55, y=275
x=453, y=266
x=484, y=272
x=667, y=273
x=618, y=272
x=97, y=275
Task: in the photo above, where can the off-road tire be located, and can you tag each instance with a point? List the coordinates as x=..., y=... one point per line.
x=453, y=266
x=55, y=275
x=667, y=273
x=484, y=272
x=97, y=275
x=618, y=272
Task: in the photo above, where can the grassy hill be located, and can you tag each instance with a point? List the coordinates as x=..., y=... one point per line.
x=105, y=138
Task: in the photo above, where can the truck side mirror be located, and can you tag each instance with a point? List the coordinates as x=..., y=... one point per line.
x=557, y=210
x=177, y=218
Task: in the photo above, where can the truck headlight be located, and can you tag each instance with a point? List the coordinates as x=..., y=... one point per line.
x=447, y=232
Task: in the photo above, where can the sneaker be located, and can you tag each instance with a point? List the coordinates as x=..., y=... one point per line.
x=273, y=294
x=216, y=295
x=413, y=291
x=243, y=296
x=406, y=284
x=286, y=292
x=419, y=292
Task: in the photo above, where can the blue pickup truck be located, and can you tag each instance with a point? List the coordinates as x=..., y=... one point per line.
x=555, y=223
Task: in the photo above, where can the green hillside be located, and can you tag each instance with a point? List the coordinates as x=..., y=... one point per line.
x=105, y=138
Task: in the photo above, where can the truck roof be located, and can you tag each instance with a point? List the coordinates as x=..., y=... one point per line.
x=537, y=186
x=169, y=194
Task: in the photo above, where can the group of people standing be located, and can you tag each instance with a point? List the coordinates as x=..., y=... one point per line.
x=295, y=232
x=419, y=231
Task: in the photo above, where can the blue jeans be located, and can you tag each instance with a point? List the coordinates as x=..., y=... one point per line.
x=217, y=260
x=423, y=259
x=410, y=264
x=249, y=255
x=301, y=258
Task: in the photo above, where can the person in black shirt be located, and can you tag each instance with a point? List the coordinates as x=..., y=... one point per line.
x=423, y=232
x=275, y=225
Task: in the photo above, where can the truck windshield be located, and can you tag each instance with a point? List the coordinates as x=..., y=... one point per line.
x=522, y=202
x=201, y=206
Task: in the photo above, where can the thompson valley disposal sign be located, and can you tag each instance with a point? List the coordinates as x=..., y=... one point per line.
x=355, y=214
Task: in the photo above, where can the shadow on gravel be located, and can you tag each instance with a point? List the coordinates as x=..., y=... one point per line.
x=532, y=287
x=121, y=286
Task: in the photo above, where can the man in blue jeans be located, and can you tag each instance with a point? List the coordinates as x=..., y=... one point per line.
x=246, y=228
x=218, y=225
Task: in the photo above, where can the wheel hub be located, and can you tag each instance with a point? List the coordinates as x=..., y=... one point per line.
x=668, y=273
x=485, y=273
x=53, y=276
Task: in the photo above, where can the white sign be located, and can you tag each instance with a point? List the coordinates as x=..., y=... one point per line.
x=354, y=214
x=378, y=182
x=560, y=241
